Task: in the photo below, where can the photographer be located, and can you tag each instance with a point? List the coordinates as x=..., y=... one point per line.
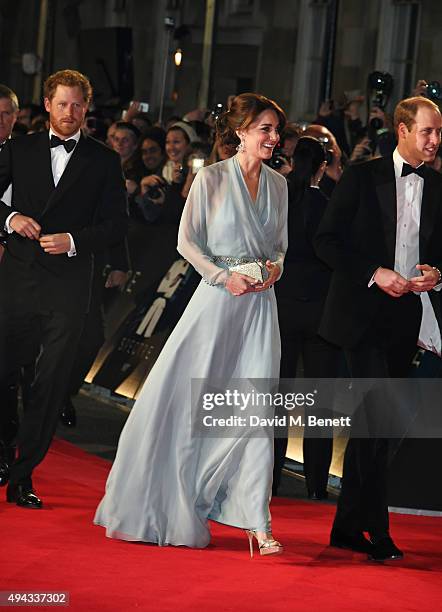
x=379, y=139
x=333, y=171
x=282, y=158
x=343, y=120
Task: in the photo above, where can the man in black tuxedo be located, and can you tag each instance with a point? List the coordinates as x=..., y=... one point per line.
x=382, y=236
x=68, y=202
x=8, y=392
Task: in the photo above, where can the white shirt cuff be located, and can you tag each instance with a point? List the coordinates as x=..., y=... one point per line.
x=8, y=219
x=73, y=250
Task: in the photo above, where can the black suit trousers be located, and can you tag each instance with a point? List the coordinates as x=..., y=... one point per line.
x=44, y=343
x=386, y=352
x=299, y=321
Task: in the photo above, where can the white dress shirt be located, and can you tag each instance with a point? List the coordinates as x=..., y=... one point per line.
x=409, y=191
x=59, y=160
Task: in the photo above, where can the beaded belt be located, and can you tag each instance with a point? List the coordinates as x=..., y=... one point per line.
x=230, y=261
x=250, y=266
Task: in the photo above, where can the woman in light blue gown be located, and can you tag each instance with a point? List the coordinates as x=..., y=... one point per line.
x=165, y=482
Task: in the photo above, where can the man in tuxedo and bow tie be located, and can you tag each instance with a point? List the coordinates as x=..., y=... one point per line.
x=8, y=393
x=68, y=202
x=382, y=236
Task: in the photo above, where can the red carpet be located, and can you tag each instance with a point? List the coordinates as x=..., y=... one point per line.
x=58, y=549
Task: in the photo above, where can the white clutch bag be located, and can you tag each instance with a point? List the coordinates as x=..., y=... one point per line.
x=253, y=269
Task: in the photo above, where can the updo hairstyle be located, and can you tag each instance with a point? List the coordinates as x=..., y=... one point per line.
x=243, y=111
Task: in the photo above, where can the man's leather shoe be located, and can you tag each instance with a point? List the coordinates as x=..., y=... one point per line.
x=350, y=541
x=23, y=496
x=68, y=415
x=385, y=550
x=4, y=473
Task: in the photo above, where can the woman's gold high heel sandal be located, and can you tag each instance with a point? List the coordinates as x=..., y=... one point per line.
x=268, y=546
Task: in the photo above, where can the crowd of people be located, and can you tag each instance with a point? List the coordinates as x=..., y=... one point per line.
x=173, y=186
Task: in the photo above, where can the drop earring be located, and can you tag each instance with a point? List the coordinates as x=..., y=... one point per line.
x=241, y=147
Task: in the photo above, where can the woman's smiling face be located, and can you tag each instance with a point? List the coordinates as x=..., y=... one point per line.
x=261, y=136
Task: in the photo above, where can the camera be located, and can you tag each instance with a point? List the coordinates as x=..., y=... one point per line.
x=143, y=107
x=156, y=191
x=433, y=90
x=379, y=88
x=381, y=85
x=217, y=110
x=325, y=141
x=278, y=159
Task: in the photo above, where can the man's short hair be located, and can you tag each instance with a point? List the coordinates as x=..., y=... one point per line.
x=68, y=78
x=405, y=111
x=129, y=127
x=6, y=92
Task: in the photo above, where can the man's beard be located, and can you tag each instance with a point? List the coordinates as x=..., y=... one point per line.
x=65, y=129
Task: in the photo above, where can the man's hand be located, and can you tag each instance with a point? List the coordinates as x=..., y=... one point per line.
x=377, y=113
x=286, y=167
x=55, y=244
x=25, y=226
x=239, y=284
x=116, y=278
x=391, y=282
x=150, y=181
x=362, y=149
x=274, y=272
x=426, y=282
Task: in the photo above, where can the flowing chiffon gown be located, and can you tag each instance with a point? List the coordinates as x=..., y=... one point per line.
x=165, y=484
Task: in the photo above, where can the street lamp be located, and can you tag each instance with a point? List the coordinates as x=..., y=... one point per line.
x=178, y=57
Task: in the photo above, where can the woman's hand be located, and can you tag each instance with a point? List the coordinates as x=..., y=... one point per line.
x=177, y=173
x=239, y=284
x=274, y=272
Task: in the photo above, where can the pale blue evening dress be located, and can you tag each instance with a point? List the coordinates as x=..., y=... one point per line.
x=165, y=484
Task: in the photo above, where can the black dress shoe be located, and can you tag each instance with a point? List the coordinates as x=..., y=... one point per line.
x=350, y=541
x=4, y=473
x=385, y=550
x=68, y=415
x=23, y=496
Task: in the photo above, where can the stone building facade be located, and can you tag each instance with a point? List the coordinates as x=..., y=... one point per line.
x=295, y=51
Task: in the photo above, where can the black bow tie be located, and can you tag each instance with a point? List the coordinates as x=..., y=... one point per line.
x=407, y=169
x=69, y=145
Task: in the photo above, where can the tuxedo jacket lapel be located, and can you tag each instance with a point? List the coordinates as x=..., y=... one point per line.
x=41, y=165
x=72, y=172
x=386, y=192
